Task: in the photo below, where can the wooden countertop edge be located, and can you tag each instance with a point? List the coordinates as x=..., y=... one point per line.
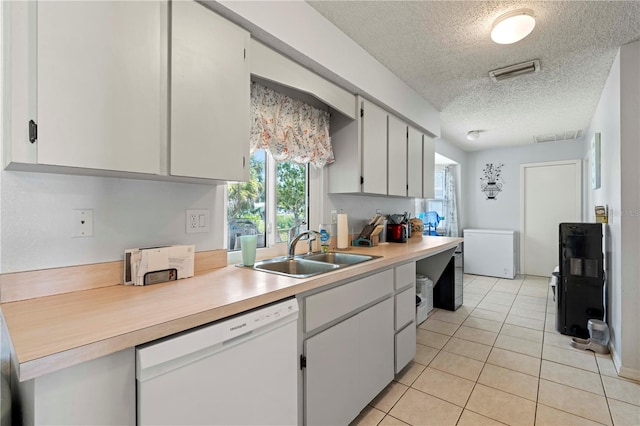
x=38, y=366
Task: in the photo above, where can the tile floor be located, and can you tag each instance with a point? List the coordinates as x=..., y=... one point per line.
x=498, y=360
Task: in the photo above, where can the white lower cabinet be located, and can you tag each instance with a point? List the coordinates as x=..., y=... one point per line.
x=348, y=364
x=405, y=314
x=101, y=391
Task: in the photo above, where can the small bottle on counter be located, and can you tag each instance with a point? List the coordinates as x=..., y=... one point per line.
x=324, y=237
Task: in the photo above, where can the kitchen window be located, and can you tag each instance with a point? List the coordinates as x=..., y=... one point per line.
x=272, y=205
x=437, y=203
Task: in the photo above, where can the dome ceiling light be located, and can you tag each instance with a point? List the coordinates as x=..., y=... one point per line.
x=513, y=26
x=473, y=135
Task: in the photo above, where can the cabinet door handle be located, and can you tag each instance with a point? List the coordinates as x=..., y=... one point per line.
x=33, y=131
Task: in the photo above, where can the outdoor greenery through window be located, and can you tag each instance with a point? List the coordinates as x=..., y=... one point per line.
x=275, y=199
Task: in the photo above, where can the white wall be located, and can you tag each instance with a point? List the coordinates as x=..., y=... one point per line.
x=504, y=211
x=616, y=119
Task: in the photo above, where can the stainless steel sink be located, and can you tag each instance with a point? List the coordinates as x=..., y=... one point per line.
x=339, y=258
x=307, y=265
x=297, y=268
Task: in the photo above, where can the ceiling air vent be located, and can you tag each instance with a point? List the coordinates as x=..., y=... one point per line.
x=515, y=70
x=572, y=134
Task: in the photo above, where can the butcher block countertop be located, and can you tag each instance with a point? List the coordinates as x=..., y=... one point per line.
x=53, y=332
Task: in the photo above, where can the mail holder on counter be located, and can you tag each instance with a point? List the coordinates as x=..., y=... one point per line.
x=145, y=266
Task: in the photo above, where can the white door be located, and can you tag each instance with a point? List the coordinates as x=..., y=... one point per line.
x=374, y=149
x=99, y=84
x=550, y=193
x=397, y=157
x=210, y=97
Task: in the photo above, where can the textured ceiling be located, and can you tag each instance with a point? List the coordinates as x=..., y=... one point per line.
x=443, y=50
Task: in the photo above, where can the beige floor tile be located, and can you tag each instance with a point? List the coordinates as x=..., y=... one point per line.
x=449, y=316
x=368, y=417
x=526, y=313
x=469, y=418
x=471, y=291
x=458, y=365
x=424, y=354
x=547, y=416
x=418, y=408
x=501, y=406
x=489, y=315
x=476, y=335
x=622, y=390
x=494, y=306
x=522, y=298
x=515, y=361
x=505, y=299
x=438, y=326
x=391, y=421
x=483, y=324
x=557, y=339
x=453, y=389
x=464, y=310
x=470, y=302
x=389, y=396
x=429, y=338
x=550, y=325
x=571, y=357
x=530, y=306
x=466, y=348
x=624, y=414
x=525, y=322
x=606, y=366
x=535, y=292
x=409, y=374
x=575, y=401
x=519, y=345
x=510, y=381
x=522, y=332
x=571, y=376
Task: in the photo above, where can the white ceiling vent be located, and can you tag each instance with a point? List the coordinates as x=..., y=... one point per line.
x=515, y=70
x=564, y=136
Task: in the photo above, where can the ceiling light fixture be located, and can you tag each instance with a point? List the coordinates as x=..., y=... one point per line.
x=513, y=26
x=473, y=135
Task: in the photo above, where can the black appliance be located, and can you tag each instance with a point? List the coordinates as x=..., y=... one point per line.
x=580, y=292
x=447, y=292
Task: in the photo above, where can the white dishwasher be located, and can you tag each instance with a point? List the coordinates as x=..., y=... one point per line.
x=238, y=371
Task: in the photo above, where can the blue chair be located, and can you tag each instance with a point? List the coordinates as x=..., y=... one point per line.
x=431, y=221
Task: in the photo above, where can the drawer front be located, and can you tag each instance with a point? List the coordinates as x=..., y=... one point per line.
x=336, y=302
x=405, y=275
x=405, y=307
x=405, y=346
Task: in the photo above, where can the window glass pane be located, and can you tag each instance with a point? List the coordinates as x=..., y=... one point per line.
x=439, y=183
x=291, y=200
x=246, y=204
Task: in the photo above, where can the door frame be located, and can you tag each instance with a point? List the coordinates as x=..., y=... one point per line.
x=579, y=189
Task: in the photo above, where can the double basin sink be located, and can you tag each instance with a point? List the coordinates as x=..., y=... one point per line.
x=307, y=265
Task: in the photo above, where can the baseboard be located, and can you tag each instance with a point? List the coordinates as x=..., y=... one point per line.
x=627, y=373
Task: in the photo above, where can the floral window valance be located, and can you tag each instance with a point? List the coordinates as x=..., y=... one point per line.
x=289, y=129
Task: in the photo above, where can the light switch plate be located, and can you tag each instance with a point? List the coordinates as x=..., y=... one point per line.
x=197, y=221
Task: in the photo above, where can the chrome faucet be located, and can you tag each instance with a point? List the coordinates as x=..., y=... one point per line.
x=311, y=237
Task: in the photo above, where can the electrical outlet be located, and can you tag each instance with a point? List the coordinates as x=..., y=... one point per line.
x=334, y=216
x=197, y=221
x=82, y=223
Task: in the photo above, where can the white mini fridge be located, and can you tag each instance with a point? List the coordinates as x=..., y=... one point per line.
x=490, y=252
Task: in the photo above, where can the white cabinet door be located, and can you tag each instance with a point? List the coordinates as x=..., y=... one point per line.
x=331, y=376
x=348, y=365
x=375, y=334
x=397, y=149
x=414, y=163
x=429, y=158
x=210, y=86
x=99, y=85
x=374, y=149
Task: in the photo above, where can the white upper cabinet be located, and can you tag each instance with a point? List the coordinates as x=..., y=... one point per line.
x=414, y=163
x=374, y=149
x=210, y=99
x=98, y=85
x=397, y=148
x=429, y=167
